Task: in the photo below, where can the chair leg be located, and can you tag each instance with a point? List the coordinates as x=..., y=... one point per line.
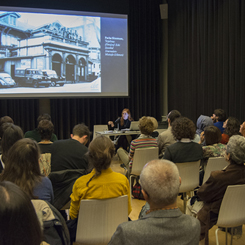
x=216, y=235
x=185, y=201
x=232, y=230
x=226, y=233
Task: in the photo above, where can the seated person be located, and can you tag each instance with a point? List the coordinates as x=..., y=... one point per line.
x=45, y=129
x=102, y=182
x=242, y=129
x=213, y=190
x=19, y=223
x=166, y=138
x=122, y=123
x=184, y=150
x=163, y=223
x=35, y=135
x=3, y=120
x=231, y=127
x=22, y=169
x=70, y=153
x=146, y=125
x=202, y=123
x=219, y=118
x=12, y=133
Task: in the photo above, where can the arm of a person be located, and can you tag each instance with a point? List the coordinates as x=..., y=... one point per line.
x=118, y=237
x=208, y=191
x=131, y=151
x=167, y=155
x=75, y=201
x=160, y=143
x=127, y=192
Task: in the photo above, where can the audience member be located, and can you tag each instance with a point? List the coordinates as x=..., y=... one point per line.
x=3, y=120
x=184, y=150
x=202, y=123
x=163, y=222
x=45, y=129
x=70, y=153
x=19, y=223
x=242, y=129
x=219, y=118
x=34, y=134
x=146, y=125
x=121, y=123
x=102, y=182
x=166, y=138
x=22, y=168
x=12, y=133
x=213, y=190
x=231, y=127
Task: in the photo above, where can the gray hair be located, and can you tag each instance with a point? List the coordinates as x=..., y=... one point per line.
x=236, y=148
x=160, y=179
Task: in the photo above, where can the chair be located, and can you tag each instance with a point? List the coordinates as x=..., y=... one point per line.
x=231, y=213
x=141, y=157
x=98, y=219
x=189, y=173
x=98, y=128
x=213, y=164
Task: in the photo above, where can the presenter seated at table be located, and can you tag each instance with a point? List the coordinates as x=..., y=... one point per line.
x=122, y=122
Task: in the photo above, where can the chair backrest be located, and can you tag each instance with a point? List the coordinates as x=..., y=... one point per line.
x=231, y=211
x=213, y=164
x=98, y=219
x=141, y=157
x=98, y=128
x=189, y=173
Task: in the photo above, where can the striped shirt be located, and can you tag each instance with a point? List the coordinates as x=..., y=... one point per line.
x=142, y=142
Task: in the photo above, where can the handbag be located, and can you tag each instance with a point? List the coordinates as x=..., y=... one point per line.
x=136, y=191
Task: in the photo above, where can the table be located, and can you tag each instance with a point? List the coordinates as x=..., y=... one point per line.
x=117, y=133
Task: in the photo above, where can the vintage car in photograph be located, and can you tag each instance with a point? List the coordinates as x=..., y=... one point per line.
x=6, y=80
x=31, y=77
x=55, y=79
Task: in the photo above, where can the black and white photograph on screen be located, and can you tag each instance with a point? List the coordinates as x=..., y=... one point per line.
x=49, y=53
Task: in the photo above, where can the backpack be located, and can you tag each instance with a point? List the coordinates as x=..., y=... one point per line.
x=55, y=231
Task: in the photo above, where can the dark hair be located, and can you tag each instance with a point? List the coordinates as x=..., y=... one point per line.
x=44, y=116
x=22, y=165
x=3, y=120
x=12, y=133
x=172, y=115
x=220, y=113
x=232, y=126
x=45, y=129
x=81, y=130
x=212, y=135
x=183, y=127
x=100, y=153
x=129, y=116
x=19, y=223
x=146, y=125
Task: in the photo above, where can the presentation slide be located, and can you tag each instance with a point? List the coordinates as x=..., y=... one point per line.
x=54, y=53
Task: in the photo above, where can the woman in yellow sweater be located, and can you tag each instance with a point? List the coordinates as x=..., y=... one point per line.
x=102, y=182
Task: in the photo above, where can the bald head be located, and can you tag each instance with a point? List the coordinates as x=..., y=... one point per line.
x=160, y=180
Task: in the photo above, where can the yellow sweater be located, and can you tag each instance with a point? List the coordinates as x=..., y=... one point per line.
x=108, y=184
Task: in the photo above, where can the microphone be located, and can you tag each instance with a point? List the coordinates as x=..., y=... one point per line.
x=118, y=120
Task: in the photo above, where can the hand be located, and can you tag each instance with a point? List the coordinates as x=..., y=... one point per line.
x=111, y=123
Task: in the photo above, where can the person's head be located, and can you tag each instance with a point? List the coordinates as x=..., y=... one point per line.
x=147, y=125
x=126, y=114
x=212, y=135
x=242, y=129
x=232, y=126
x=81, y=133
x=172, y=115
x=45, y=129
x=183, y=127
x=160, y=181
x=3, y=120
x=219, y=115
x=44, y=116
x=100, y=153
x=236, y=149
x=203, y=122
x=22, y=165
x=12, y=133
x=19, y=223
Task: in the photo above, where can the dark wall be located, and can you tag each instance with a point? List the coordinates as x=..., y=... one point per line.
x=144, y=25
